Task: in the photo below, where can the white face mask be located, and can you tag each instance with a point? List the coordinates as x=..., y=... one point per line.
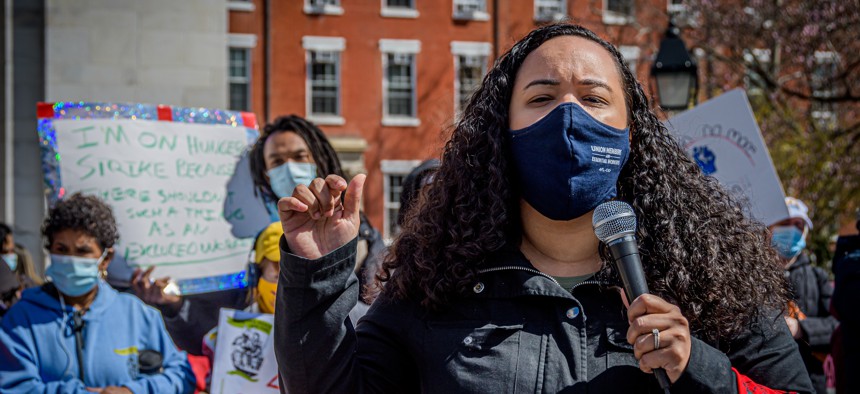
x=11, y=259
x=73, y=275
x=285, y=177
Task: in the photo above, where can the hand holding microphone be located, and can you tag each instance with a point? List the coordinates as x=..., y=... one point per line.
x=659, y=333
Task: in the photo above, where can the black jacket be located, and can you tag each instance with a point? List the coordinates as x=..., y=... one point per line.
x=516, y=331
x=812, y=291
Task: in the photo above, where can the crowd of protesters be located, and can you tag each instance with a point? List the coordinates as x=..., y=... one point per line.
x=479, y=229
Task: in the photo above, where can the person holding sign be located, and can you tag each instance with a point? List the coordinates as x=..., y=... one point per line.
x=263, y=276
x=290, y=151
x=498, y=282
x=76, y=334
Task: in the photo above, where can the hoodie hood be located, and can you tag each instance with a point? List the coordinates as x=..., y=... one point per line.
x=45, y=297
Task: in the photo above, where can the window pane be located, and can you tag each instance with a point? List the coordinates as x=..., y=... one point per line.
x=549, y=7
x=467, y=6
x=238, y=62
x=470, y=74
x=395, y=187
x=324, y=83
x=624, y=7
x=239, y=97
x=400, y=89
x=399, y=3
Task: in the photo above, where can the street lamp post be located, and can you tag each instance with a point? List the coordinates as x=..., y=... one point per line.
x=675, y=72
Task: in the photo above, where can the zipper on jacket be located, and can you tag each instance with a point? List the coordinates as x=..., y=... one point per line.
x=585, y=282
x=517, y=268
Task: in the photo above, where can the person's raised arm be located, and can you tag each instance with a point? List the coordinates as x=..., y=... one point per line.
x=316, y=345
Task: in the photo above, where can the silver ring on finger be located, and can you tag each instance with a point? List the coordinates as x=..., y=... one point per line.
x=656, y=333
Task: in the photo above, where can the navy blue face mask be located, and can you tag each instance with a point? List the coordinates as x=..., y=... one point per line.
x=568, y=162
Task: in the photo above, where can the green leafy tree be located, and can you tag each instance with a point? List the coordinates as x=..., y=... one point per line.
x=800, y=63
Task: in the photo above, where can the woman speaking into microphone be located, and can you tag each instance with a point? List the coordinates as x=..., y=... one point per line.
x=498, y=283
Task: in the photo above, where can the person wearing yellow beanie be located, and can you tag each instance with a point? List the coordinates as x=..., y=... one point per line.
x=267, y=255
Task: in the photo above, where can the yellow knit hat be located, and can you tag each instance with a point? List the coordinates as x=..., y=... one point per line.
x=267, y=243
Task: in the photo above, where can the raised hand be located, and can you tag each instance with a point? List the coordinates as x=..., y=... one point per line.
x=314, y=219
x=152, y=291
x=649, y=312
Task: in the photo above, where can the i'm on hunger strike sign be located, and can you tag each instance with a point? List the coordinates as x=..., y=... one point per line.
x=167, y=183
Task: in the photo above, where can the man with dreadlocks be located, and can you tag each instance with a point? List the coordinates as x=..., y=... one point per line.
x=290, y=151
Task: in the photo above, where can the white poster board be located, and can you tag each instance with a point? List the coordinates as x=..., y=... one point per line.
x=244, y=359
x=166, y=183
x=722, y=136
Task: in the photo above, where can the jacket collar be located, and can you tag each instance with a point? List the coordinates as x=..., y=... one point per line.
x=47, y=297
x=507, y=273
x=802, y=260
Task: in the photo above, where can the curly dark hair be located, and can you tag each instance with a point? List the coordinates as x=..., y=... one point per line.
x=324, y=155
x=88, y=214
x=699, y=250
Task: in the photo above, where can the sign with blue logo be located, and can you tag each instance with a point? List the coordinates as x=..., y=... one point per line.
x=723, y=138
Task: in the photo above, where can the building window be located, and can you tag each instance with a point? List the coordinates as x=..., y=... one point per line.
x=323, y=87
x=471, y=10
x=399, y=9
x=240, y=5
x=240, y=79
x=680, y=14
x=324, y=72
x=470, y=66
x=401, y=90
x=394, y=172
x=755, y=60
x=821, y=82
x=550, y=10
x=631, y=57
x=324, y=7
x=617, y=12
x=400, y=107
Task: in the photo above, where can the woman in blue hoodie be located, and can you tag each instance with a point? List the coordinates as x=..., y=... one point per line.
x=76, y=334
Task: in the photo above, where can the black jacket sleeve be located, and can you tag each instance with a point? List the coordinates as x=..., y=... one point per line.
x=817, y=330
x=316, y=345
x=766, y=354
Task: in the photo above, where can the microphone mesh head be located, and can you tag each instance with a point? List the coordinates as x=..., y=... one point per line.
x=612, y=220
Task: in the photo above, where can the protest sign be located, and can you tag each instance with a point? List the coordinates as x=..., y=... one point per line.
x=722, y=136
x=244, y=360
x=165, y=173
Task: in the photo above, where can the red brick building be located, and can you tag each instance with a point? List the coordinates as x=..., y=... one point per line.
x=385, y=78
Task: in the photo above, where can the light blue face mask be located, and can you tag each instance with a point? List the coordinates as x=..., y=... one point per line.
x=74, y=276
x=285, y=177
x=11, y=259
x=788, y=241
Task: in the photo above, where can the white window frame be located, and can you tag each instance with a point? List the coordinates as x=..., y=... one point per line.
x=324, y=44
x=241, y=5
x=411, y=47
x=539, y=17
x=245, y=42
x=762, y=56
x=477, y=15
x=392, y=167
x=321, y=7
x=675, y=8
x=631, y=55
x=614, y=18
x=467, y=48
x=399, y=12
x=825, y=116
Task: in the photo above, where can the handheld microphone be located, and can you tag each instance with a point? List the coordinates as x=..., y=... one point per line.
x=614, y=224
